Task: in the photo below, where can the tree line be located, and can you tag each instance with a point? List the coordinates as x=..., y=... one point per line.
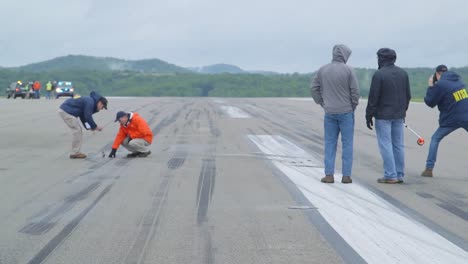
x=130, y=83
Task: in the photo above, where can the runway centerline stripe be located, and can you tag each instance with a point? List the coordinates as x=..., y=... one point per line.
x=377, y=230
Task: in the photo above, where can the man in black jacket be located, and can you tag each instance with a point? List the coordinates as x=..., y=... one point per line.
x=388, y=101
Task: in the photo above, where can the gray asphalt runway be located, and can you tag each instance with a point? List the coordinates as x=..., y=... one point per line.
x=228, y=181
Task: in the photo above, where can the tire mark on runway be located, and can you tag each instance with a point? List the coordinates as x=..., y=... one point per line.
x=66, y=231
x=448, y=205
x=154, y=113
x=206, y=184
x=46, y=220
x=148, y=226
x=205, y=189
x=177, y=160
x=204, y=243
x=454, y=210
x=214, y=130
x=169, y=120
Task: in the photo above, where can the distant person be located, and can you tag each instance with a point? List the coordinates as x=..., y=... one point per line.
x=28, y=89
x=82, y=108
x=49, y=90
x=36, y=89
x=388, y=101
x=448, y=92
x=134, y=134
x=335, y=88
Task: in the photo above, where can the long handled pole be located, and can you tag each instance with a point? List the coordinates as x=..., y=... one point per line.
x=420, y=140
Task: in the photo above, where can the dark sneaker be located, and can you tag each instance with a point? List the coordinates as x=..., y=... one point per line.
x=427, y=173
x=346, y=179
x=133, y=154
x=387, y=180
x=328, y=179
x=400, y=180
x=77, y=156
x=144, y=154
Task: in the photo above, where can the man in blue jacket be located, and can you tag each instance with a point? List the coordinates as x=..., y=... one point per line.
x=389, y=98
x=449, y=94
x=82, y=108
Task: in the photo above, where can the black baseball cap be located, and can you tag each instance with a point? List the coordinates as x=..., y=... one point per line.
x=441, y=68
x=119, y=115
x=104, y=101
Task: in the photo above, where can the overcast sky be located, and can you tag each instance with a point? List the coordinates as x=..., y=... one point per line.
x=284, y=36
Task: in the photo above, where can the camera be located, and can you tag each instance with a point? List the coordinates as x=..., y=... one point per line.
x=434, y=78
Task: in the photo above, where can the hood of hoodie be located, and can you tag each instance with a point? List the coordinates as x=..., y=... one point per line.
x=450, y=76
x=386, y=57
x=96, y=98
x=341, y=53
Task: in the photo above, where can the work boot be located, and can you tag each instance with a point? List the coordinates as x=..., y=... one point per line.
x=133, y=154
x=328, y=179
x=387, y=180
x=77, y=155
x=144, y=154
x=427, y=173
x=346, y=179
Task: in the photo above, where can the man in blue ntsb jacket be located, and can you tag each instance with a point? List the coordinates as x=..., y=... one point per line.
x=449, y=94
x=83, y=108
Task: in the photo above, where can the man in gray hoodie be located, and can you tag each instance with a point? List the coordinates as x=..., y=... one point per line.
x=335, y=88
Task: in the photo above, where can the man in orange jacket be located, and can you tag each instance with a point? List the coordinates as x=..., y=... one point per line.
x=134, y=134
x=36, y=88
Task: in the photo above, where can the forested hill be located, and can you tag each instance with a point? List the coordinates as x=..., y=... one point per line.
x=80, y=62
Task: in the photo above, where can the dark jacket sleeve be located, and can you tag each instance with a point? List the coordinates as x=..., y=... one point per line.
x=433, y=96
x=374, y=94
x=88, y=112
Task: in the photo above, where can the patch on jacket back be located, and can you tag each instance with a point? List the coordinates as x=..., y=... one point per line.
x=460, y=95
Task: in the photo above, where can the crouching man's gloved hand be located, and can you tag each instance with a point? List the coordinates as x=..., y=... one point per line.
x=369, y=122
x=112, y=153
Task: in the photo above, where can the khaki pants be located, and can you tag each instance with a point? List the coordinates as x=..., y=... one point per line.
x=136, y=145
x=74, y=124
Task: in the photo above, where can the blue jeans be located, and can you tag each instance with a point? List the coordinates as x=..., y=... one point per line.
x=333, y=125
x=438, y=135
x=391, y=146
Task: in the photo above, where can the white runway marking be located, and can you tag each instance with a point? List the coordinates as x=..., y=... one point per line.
x=234, y=112
x=377, y=230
